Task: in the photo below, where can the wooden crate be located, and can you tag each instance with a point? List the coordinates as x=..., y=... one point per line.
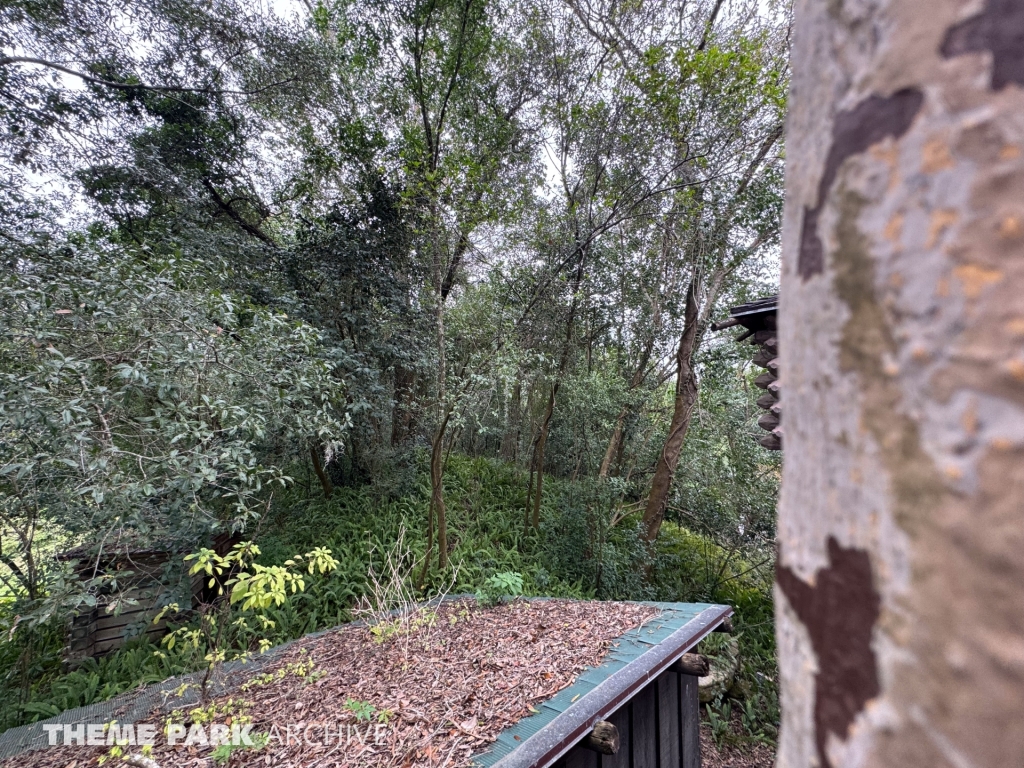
x=97, y=632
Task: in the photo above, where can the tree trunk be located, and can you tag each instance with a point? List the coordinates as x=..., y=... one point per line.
x=686, y=398
x=613, y=444
x=403, y=410
x=437, y=508
x=538, y=453
x=322, y=476
x=510, y=440
x=900, y=609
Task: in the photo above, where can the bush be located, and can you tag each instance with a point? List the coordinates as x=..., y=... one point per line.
x=576, y=553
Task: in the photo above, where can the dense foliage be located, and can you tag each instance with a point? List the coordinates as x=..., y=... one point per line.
x=431, y=271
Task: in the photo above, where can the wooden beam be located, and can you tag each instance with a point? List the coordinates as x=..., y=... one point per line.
x=603, y=739
x=723, y=324
x=725, y=626
x=692, y=664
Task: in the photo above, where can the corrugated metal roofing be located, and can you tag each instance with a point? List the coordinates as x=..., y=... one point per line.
x=684, y=623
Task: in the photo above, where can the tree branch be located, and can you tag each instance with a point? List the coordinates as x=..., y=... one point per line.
x=7, y=60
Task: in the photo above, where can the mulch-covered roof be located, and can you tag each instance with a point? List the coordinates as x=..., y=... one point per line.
x=433, y=691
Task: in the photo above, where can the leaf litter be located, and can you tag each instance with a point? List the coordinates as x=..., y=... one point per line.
x=432, y=688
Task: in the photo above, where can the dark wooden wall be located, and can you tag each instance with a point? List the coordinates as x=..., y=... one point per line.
x=658, y=728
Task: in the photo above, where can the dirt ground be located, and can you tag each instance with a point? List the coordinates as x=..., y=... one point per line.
x=759, y=756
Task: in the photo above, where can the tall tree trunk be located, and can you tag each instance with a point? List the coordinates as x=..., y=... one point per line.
x=510, y=440
x=563, y=365
x=900, y=608
x=613, y=444
x=321, y=474
x=437, y=507
x=403, y=410
x=685, y=399
x=538, y=450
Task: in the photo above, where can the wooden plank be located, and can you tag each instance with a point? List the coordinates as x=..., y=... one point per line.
x=620, y=719
x=668, y=720
x=689, y=721
x=580, y=758
x=109, y=620
x=155, y=630
x=645, y=728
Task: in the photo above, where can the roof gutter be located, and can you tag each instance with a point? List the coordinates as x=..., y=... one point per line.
x=564, y=731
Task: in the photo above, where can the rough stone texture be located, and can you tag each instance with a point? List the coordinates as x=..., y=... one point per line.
x=901, y=626
x=722, y=675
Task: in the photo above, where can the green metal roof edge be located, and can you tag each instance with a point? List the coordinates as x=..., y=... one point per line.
x=576, y=707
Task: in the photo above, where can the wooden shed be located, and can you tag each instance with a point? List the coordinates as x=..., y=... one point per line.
x=758, y=319
x=153, y=576
x=637, y=709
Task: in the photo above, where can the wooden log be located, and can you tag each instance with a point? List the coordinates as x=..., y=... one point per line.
x=723, y=324
x=773, y=365
x=620, y=719
x=765, y=380
x=768, y=422
x=766, y=401
x=772, y=387
x=603, y=739
x=692, y=664
x=725, y=626
x=776, y=409
x=771, y=442
x=763, y=358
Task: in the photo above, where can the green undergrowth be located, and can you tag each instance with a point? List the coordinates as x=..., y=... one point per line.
x=575, y=553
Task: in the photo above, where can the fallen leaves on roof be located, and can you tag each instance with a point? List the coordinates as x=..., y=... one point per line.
x=432, y=689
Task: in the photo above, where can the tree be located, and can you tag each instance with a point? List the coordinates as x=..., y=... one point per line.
x=461, y=136
x=140, y=403
x=710, y=86
x=899, y=603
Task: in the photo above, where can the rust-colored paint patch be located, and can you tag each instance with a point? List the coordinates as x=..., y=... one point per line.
x=839, y=612
x=854, y=131
x=998, y=29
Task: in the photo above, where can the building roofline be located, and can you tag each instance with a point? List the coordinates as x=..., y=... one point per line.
x=555, y=738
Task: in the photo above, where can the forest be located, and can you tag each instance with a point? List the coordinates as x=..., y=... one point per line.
x=428, y=284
